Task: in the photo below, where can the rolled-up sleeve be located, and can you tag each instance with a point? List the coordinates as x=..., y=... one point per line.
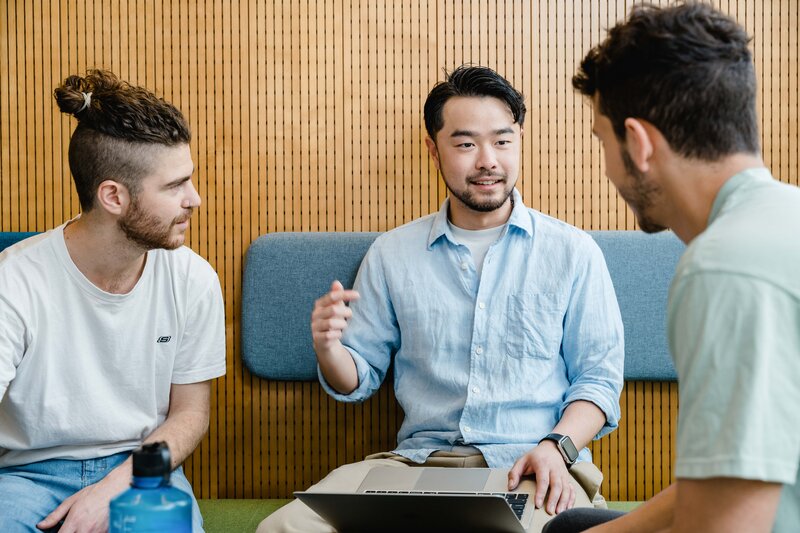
x=593, y=341
x=372, y=336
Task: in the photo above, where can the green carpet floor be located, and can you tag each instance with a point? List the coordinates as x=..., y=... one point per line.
x=235, y=516
x=243, y=516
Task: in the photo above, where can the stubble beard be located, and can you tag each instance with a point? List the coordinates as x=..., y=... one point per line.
x=639, y=196
x=147, y=231
x=482, y=206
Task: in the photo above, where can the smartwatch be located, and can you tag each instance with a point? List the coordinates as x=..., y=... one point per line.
x=565, y=447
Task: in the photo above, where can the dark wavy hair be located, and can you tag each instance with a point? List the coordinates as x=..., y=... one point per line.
x=685, y=69
x=469, y=80
x=117, y=125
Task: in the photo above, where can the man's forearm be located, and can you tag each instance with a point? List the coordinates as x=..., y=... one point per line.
x=338, y=367
x=182, y=432
x=582, y=420
x=184, y=427
x=655, y=515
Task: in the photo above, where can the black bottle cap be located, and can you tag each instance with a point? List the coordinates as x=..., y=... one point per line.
x=152, y=460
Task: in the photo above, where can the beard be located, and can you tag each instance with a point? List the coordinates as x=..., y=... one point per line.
x=147, y=231
x=639, y=196
x=482, y=205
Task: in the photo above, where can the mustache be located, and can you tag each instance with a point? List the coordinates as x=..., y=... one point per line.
x=184, y=218
x=487, y=174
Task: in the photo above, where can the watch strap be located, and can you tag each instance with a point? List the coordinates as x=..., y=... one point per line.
x=558, y=439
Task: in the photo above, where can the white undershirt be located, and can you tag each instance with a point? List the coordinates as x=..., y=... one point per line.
x=478, y=241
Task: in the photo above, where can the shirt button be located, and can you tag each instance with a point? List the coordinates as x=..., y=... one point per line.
x=476, y=390
x=478, y=350
x=464, y=265
x=467, y=429
x=482, y=305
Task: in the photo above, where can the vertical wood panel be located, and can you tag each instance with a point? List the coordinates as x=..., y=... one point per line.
x=307, y=116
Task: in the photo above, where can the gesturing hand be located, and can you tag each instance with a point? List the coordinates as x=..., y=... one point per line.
x=330, y=315
x=546, y=464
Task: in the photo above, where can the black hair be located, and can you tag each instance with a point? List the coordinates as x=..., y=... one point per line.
x=469, y=80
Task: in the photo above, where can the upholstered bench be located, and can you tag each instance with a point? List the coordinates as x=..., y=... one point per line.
x=286, y=272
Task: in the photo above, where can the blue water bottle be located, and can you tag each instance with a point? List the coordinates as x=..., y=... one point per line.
x=151, y=504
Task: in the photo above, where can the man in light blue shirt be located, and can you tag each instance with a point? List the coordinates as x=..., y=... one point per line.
x=502, y=322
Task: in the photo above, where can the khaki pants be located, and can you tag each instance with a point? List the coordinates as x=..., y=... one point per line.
x=296, y=517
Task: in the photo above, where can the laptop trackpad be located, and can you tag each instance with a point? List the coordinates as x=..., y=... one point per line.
x=452, y=479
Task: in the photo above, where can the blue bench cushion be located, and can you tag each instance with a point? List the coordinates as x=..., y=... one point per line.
x=7, y=238
x=286, y=272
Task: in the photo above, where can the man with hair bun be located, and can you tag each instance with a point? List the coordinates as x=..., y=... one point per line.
x=673, y=91
x=110, y=328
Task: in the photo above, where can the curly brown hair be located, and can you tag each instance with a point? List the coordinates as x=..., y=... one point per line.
x=118, y=124
x=687, y=70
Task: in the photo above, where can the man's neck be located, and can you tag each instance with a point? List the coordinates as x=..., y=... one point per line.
x=99, y=249
x=693, y=186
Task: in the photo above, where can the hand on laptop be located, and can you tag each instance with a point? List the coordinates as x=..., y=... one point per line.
x=545, y=463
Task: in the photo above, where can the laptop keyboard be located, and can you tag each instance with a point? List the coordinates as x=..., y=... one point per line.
x=516, y=500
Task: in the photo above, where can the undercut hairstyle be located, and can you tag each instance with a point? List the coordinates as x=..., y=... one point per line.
x=469, y=80
x=118, y=124
x=685, y=69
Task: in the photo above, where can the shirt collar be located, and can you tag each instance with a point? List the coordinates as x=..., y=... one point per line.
x=519, y=218
x=734, y=183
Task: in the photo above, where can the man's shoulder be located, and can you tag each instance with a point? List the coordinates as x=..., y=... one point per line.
x=554, y=226
x=185, y=263
x=750, y=244
x=25, y=248
x=552, y=233
x=411, y=233
x=26, y=258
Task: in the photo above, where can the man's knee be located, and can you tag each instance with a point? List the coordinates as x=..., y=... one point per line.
x=25, y=503
x=179, y=481
x=579, y=519
x=294, y=517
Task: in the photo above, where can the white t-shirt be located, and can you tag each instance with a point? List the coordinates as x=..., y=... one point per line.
x=478, y=241
x=85, y=373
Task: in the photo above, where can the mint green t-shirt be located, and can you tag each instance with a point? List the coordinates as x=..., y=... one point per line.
x=734, y=333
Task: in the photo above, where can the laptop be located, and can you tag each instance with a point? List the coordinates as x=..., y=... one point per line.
x=392, y=499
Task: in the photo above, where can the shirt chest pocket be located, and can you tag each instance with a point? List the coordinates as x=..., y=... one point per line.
x=534, y=326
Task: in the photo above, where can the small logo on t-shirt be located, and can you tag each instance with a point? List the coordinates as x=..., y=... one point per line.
x=165, y=338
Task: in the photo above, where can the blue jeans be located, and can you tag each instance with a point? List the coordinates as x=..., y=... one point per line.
x=28, y=493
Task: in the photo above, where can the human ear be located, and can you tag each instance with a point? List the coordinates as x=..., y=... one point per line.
x=113, y=197
x=433, y=151
x=638, y=143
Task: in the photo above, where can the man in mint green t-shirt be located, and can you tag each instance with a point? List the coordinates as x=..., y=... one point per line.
x=673, y=94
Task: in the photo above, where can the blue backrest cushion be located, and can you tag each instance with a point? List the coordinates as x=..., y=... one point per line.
x=7, y=238
x=641, y=268
x=286, y=272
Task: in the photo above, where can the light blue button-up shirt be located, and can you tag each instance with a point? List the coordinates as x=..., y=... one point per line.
x=490, y=361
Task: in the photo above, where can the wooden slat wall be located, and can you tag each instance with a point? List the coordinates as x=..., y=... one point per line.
x=307, y=117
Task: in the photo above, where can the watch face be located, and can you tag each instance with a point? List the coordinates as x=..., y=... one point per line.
x=569, y=449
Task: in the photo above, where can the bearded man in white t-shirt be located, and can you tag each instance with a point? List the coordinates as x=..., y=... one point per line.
x=110, y=329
